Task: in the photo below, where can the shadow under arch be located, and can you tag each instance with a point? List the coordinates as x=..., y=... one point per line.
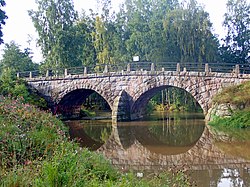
x=138, y=109
x=71, y=103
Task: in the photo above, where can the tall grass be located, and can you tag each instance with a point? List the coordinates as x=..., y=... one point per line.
x=237, y=95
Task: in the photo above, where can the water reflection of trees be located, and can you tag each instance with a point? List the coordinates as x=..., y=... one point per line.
x=90, y=134
x=230, y=134
x=99, y=132
x=177, y=130
x=167, y=135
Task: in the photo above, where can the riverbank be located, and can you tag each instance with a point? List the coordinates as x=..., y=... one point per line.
x=231, y=107
x=35, y=151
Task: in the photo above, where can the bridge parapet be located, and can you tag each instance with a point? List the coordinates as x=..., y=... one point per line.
x=138, y=73
x=138, y=68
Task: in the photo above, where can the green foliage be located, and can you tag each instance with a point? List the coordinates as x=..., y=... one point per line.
x=240, y=119
x=161, y=30
x=238, y=95
x=72, y=166
x=10, y=86
x=54, y=23
x=101, y=43
x=23, y=129
x=2, y=19
x=7, y=82
x=177, y=178
x=87, y=113
x=150, y=106
x=16, y=59
x=190, y=34
x=237, y=41
x=173, y=99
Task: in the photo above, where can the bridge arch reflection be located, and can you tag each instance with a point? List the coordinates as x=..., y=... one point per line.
x=132, y=152
x=127, y=149
x=170, y=136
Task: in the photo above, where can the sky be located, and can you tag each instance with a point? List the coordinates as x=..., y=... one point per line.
x=19, y=27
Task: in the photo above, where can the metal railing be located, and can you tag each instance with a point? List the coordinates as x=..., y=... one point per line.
x=138, y=66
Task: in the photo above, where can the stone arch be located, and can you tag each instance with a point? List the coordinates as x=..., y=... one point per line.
x=70, y=103
x=94, y=86
x=138, y=107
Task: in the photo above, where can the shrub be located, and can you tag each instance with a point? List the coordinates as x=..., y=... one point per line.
x=26, y=133
x=17, y=88
x=239, y=119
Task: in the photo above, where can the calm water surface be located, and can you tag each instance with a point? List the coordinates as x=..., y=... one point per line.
x=171, y=141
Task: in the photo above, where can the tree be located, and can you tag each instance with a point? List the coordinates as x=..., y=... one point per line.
x=188, y=29
x=165, y=30
x=15, y=59
x=101, y=42
x=2, y=19
x=236, y=48
x=85, y=27
x=53, y=21
x=139, y=42
x=104, y=34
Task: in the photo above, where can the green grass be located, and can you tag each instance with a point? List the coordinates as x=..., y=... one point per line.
x=87, y=113
x=237, y=95
x=240, y=119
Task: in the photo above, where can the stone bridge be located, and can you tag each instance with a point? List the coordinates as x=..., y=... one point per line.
x=128, y=92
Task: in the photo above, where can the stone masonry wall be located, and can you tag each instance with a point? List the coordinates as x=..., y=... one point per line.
x=137, y=87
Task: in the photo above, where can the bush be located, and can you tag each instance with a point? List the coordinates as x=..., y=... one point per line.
x=240, y=119
x=73, y=166
x=26, y=133
x=17, y=88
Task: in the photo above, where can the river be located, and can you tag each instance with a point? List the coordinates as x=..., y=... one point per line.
x=171, y=141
